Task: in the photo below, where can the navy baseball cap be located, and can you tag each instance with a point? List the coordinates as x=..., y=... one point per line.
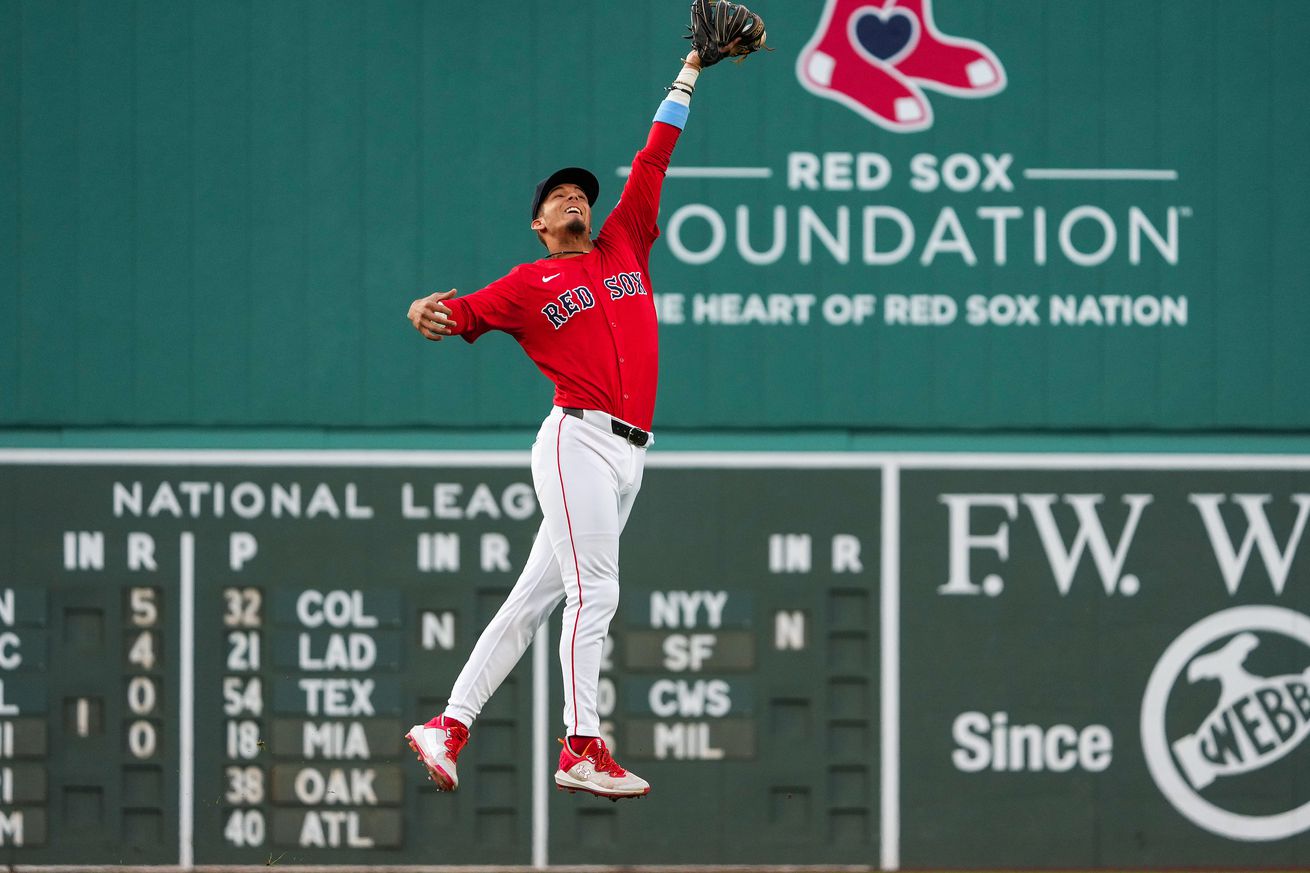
x=567, y=176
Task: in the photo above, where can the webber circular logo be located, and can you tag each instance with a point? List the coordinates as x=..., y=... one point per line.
x=1256, y=721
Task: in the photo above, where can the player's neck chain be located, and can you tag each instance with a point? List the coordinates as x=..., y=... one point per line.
x=561, y=254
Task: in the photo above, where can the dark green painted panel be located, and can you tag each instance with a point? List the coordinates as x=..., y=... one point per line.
x=164, y=329
x=47, y=153
x=1036, y=670
x=220, y=199
x=10, y=269
x=103, y=800
x=1037, y=606
x=1244, y=317
x=283, y=320
x=103, y=302
x=272, y=719
x=817, y=692
x=312, y=658
x=1289, y=213
x=333, y=107
x=392, y=207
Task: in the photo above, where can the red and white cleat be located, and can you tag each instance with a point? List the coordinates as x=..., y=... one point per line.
x=595, y=772
x=438, y=744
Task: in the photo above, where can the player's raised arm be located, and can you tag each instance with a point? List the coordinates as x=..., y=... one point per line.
x=717, y=30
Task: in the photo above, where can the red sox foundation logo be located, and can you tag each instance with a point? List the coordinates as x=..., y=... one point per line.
x=877, y=56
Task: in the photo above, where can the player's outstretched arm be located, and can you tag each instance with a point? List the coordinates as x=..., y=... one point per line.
x=719, y=29
x=675, y=107
x=431, y=317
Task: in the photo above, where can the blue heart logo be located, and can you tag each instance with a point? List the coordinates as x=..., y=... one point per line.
x=885, y=35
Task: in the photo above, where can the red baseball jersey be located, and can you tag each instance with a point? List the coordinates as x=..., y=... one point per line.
x=588, y=322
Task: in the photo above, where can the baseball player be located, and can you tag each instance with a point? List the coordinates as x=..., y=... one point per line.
x=585, y=315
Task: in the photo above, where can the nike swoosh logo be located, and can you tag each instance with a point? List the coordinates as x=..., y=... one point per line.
x=548, y=278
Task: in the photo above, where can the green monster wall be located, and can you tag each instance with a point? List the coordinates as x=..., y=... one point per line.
x=920, y=662
x=217, y=214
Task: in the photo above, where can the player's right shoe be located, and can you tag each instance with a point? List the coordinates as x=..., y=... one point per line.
x=438, y=744
x=594, y=771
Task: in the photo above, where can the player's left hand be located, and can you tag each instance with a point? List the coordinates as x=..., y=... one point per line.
x=722, y=29
x=431, y=317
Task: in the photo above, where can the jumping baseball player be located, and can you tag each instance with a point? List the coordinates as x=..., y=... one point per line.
x=585, y=315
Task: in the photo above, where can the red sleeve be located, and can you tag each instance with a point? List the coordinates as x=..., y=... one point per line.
x=494, y=307
x=639, y=205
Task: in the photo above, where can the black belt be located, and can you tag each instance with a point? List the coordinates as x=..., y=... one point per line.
x=634, y=435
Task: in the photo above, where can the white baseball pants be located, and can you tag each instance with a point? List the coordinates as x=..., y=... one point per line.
x=586, y=480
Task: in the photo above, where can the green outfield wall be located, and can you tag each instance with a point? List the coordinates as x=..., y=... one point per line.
x=975, y=533
x=209, y=658
x=216, y=214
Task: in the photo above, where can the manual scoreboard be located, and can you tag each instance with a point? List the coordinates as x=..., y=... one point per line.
x=211, y=659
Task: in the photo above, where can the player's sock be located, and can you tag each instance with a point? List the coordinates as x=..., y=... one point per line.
x=850, y=59
x=961, y=67
x=578, y=745
x=445, y=721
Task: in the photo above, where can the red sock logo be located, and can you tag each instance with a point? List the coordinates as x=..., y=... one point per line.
x=960, y=67
x=877, y=56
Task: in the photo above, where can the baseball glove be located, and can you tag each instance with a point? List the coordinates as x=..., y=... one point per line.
x=720, y=29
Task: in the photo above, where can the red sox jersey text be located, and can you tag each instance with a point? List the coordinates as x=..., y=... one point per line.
x=588, y=322
x=573, y=301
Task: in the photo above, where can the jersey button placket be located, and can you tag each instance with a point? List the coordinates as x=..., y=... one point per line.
x=617, y=337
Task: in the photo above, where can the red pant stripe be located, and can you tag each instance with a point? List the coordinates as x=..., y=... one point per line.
x=576, y=571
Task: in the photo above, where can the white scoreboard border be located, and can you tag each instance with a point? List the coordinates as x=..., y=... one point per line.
x=891, y=463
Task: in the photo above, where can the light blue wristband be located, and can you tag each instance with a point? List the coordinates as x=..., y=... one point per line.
x=672, y=112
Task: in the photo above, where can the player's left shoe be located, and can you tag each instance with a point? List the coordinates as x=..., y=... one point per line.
x=595, y=772
x=438, y=744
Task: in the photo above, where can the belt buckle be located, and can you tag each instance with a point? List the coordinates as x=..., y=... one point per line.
x=638, y=437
